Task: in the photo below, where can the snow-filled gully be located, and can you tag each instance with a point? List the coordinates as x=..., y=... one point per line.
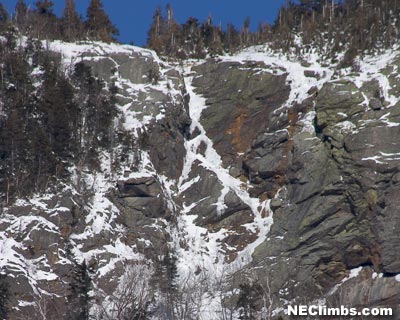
x=300, y=85
x=205, y=251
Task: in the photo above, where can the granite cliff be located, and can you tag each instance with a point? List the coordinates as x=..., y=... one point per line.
x=254, y=176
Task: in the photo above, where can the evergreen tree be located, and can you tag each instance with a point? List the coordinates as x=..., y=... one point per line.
x=191, y=38
x=4, y=18
x=79, y=299
x=261, y=33
x=45, y=7
x=212, y=37
x=71, y=22
x=97, y=111
x=157, y=28
x=58, y=109
x=4, y=297
x=312, y=5
x=99, y=26
x=248, y=297
x=232, y=38
x=173, y=33
x=45, y=22
x=15, y=89
x=245, y=34
x=21, y=16
x=166, y=275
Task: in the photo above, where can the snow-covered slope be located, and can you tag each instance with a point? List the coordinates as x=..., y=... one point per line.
x=167, y=196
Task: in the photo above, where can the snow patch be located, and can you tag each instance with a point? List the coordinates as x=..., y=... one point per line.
x=354, y=273
x=280, y=64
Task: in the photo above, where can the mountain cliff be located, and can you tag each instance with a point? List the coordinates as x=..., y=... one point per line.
x=236, y=185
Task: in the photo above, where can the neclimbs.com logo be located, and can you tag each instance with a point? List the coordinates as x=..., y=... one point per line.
x=314, y=310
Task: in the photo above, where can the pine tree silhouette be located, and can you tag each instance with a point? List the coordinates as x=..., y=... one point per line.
x=45, y=7
x=99, y=26
x=43, y=21
x=21, y=16
x=80, y=286
x=71, y=22
x=4, y=297
x=156, y=31
x=4, y=17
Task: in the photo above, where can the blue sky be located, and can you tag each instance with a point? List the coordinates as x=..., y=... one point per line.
x=133, y=17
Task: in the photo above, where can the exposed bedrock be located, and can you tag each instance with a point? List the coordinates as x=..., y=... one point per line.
x=337, y=208
x=241, y=100
x=330, y=164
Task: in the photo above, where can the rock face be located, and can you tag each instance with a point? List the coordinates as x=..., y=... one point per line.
x=330, y=163
x=213, y=154
x=241, y=102
x=338, y=206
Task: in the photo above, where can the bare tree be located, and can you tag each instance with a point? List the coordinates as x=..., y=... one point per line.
x=193, y=291
x=132, y=297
